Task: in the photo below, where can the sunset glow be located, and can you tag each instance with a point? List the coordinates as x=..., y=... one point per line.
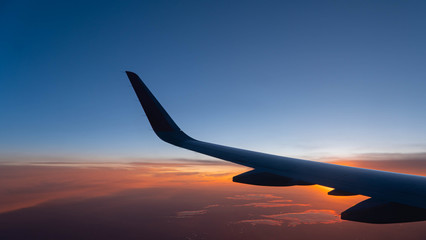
x=180, y=192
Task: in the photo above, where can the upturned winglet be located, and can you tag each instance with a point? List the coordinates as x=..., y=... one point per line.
x=162, y=124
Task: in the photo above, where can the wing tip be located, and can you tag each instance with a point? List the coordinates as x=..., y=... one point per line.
x=131, y=75
x=162, y=124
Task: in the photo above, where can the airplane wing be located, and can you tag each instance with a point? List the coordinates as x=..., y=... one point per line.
x=394, y=197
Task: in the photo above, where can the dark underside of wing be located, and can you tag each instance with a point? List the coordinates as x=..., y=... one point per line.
x=368, y=211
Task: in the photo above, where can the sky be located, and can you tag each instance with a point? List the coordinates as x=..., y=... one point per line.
x=337, y=81
x=307, y=79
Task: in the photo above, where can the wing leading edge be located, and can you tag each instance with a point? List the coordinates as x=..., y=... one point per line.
x=395, y=197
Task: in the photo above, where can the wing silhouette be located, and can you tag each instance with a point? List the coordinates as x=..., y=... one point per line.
x=394, y=197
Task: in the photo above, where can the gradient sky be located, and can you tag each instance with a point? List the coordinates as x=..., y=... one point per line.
x=295, y=78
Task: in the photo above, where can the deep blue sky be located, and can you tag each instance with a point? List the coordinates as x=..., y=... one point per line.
x=295, y=78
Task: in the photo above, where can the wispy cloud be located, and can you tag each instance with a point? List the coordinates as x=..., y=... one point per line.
x=390, y=156
x=262, y=222
x=294, y=219
x=211, y=206
x=403, y=165
x=281, y=201
x=307, y=217
x=253, y=196
x=271, y=205
x=188, y=214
